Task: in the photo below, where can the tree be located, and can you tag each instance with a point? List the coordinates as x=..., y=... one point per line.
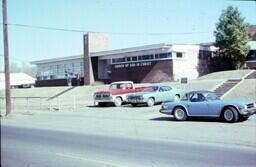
x=23, y=67
x=232, y=37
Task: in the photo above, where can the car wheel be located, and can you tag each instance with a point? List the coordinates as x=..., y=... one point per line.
x=230, y=115
x=176, y=98
x=150, y=102
x=118, y=101
x=180, y=114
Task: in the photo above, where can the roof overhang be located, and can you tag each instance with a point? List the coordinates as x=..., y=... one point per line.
x=130, y=50
x=57, y=59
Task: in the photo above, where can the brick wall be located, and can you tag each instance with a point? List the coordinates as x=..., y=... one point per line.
x=145, y=72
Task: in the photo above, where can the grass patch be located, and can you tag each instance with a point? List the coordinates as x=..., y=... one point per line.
x=234, y=74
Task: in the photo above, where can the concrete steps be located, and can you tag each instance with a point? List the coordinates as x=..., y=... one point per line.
x=226, y=86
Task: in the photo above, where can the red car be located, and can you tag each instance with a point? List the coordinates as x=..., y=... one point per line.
x=117, y=93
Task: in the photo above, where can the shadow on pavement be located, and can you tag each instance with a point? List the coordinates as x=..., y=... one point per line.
x=163, y=119
x=197, y=119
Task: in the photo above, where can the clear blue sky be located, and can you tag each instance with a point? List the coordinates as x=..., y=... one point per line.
x=114, y=16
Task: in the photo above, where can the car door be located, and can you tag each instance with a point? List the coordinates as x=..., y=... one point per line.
x=198, y=105
x=160, y=95
x=214, y=104
x=169, y=96
x=164, y=94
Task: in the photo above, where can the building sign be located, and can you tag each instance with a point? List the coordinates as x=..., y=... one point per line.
x=131, y=65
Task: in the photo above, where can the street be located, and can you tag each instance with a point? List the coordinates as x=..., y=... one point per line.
x=25, y=147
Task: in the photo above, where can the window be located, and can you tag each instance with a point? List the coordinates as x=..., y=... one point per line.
x=58, y=68
x=161, y=56
x=117, y=86
x=118, y=60
x=147, y=57
x=179, y=54
x=39, y=78
x=167, y=88
x=197, y=97
x=81, y=67
x=134, y=58
x=73, y=67
x=251, y=56
x=128, y=59
x=212, y=96
x=161, y=89
x=52, y=77
x=205, y=55
x=128, y=86
x=65, y=67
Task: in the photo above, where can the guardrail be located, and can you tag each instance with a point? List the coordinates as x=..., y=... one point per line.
x=71, y=103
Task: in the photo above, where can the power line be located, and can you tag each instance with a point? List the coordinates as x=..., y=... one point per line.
x=46, y=28
x=113, y=33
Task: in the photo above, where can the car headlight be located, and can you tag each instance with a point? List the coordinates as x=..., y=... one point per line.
x=164, y=107
x=242, y=107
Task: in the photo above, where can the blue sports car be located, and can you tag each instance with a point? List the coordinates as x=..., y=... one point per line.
x=208, y=104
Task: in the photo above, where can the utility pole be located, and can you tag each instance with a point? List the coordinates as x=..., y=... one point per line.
x=6, y=59
x=86, y=59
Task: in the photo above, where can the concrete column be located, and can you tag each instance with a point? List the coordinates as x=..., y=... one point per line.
x=88, y=71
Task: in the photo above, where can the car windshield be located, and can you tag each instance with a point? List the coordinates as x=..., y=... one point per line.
x=117, y=86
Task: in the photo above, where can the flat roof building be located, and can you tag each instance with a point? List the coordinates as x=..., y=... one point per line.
x=17, y=80
x=149, y=63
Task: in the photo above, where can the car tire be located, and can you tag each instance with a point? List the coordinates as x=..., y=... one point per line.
x=176, y=98
x=230, y=115
x=151, y=102
x=179, y=114
x=118, y=101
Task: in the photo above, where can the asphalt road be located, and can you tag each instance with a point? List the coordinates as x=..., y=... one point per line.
x=24, y=147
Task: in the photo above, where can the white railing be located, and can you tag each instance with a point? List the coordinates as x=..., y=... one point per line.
x=71, y=103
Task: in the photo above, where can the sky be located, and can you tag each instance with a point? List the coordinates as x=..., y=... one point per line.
x=128, y=23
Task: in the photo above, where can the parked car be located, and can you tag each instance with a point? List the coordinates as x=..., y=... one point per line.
x=155, y=94
x=208, y=104
x=116, y=93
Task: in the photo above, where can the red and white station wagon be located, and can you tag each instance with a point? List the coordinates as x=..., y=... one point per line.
x=117, y=93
